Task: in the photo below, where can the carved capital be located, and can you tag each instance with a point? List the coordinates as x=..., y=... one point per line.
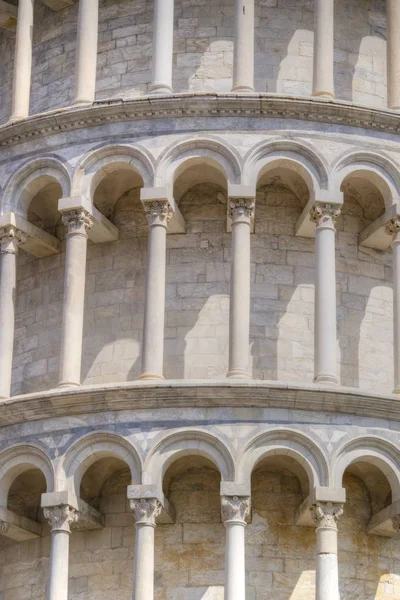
x=326, y=514
x=393, y=226
x=77, y=221
x=60, y=517
x=10, y=239
x=146, y=510
x=396, y=523
x=235, y=508
x=158, y=212
x=3, y=527
x=241, y=210
x=324, y=214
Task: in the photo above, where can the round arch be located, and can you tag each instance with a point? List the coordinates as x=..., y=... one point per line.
x=17, y=459
x=104, y=160
x=89, y=450
x=196, y=151
x=187, y=443
x=296, y=156
x=290, y=443
x=25, y=183
x=376, y=168
x=373, y=450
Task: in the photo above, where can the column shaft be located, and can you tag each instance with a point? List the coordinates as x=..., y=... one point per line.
x=22, y=61
x=239, y=311
x=327, y=574
x=86, y=51
x=235, y=510
x=163, y=39
x=323, y=84
x=325, y=294
x=146, y=511
x=243, y=56
x=396, y=310
x=9, y=240
x=77, y=223
x=158, y=215
x=60, y=518
x=393, y=53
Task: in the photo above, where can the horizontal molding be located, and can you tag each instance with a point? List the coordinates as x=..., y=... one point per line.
x=197, y=394
x=195, y=105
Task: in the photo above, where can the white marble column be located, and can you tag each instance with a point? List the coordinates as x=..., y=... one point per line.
x=393, y=53
x=325, y=216
x=243, y=52
x=235, y=511
x=22, y=61
x=60, y=519
x=10, y=239
x=393, y=229
x=323, y=84
x=326, y=515
x=163, y=41
x=77, y=223
x=242, y=211
x=86, y=52
x=158, y=214
x=146, y=511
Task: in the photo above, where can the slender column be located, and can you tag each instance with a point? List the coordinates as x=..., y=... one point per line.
x=163, y=40
x=60, y=519
x=393, y=53
x=323, y=84
x=326, y=515
x=243, y=55
x=158, y=214
x=146, y=511
x=393, y=229
x=10, y=239
x=239, y=313
x=86, y=51
x=77, y=224
x=235, y=510
x=325, y=216
x=22, y=61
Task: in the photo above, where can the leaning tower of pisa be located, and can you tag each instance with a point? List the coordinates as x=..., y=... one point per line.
x=199, y=300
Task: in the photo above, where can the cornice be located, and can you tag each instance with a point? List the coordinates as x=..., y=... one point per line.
x=194, y=105
x=180, y=394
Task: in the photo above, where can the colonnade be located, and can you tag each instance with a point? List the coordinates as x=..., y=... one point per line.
x=235, y=512
x=78, y=222
x=162, y=65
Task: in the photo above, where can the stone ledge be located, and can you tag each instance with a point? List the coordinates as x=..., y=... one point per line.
x=239, y=393
x=195, y=105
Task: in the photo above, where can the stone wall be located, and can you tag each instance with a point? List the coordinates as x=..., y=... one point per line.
x=190, y=553
x=203, y=50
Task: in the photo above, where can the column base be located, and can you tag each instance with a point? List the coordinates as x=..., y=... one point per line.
x=328, y=379
x=15, y=118
x=323, y=95
x=238, y=374
x=79, y=102
x=395, y=391
x=160, y=88
x=68, y=384
x=243, y=88
x=148, y=375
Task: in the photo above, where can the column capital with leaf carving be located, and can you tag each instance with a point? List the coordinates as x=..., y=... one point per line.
x=145, y=510
x=11, y=239
x=235, y=509
x=60, y=517
x=325, y=214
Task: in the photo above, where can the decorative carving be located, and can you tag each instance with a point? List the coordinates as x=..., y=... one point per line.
x=10, y=239
x=396, y=523
x=146, y=510
x=326, y=514
x=158, y=212
x=235, y=508
x=241, y=210
x=324, y=214
x=393, y=226
x=61, y=517
x=77, y=221
x=3, y=527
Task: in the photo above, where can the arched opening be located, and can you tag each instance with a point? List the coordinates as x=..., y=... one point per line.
x=195, y=543
x=285, y=563
x=364, y=299
x=282, y=296
x=25, y=492
x=198, y=272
